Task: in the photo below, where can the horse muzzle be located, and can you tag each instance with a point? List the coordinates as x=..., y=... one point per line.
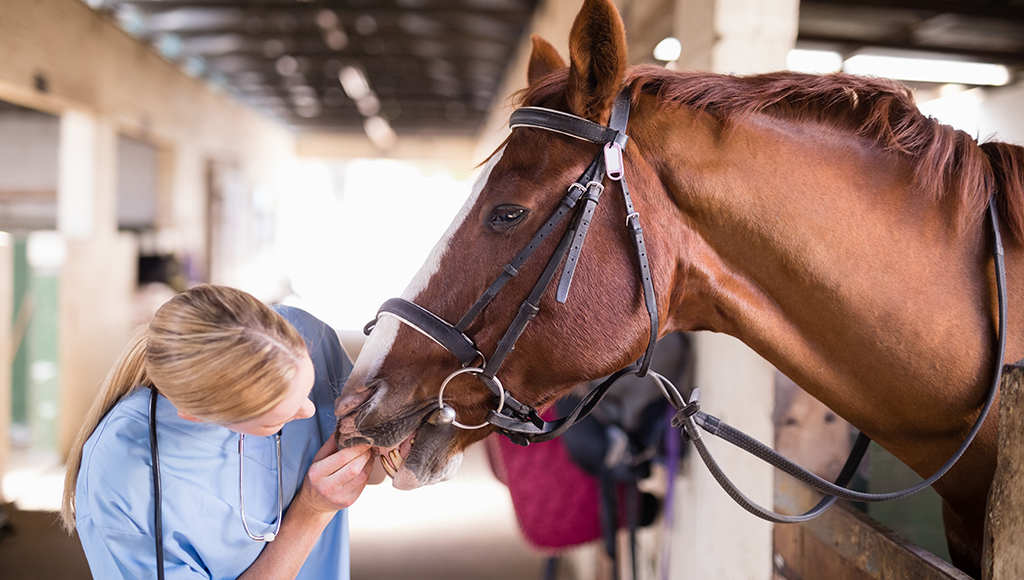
x=414, y=451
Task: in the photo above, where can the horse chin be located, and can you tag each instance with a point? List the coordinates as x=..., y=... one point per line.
x=414, y=475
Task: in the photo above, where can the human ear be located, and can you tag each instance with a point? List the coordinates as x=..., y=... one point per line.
x=188, y=417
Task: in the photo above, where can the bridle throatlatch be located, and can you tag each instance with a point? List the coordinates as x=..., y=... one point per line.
x=520, y=422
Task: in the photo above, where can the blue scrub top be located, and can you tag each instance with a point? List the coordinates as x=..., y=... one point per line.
x=202, y=527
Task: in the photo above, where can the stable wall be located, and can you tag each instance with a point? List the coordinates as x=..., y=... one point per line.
x=6, y=303
x=93, y=68
x=1002, y=114
x=64, y=58
x=28, y=168
x=715, y=538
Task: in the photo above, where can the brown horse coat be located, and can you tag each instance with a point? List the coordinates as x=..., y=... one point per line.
x=822, y=220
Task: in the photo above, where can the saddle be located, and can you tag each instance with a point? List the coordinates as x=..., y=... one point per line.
x=584, y=485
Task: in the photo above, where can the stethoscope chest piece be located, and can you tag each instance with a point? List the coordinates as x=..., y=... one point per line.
x=269, y=536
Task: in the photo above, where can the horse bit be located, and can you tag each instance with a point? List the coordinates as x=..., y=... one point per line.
x=522, y=424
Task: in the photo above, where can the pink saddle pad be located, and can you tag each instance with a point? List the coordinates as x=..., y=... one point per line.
x=555, y=501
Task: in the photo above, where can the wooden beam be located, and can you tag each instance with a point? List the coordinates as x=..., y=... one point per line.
x=847, y=544
x=1003, y=558
x=850, y=45
x=6, y=348
x=1000, y=10
x=15, y=195
x=843, y=543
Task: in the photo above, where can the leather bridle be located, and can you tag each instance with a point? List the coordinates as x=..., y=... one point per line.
x=520, y=422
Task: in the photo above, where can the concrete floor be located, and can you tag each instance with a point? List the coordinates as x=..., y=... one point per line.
x=32, y=547
x=461, y=529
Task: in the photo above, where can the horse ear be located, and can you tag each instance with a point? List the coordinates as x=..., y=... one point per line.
x=597, y=60
x=544, y=60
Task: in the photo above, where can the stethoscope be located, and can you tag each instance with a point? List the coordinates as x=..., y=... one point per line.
x=157, y=523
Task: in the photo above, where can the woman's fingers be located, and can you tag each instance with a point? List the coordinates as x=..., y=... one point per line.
x=338, y=476
x=329, y=447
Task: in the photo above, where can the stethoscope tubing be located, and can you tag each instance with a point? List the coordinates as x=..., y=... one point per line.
x=158, y=534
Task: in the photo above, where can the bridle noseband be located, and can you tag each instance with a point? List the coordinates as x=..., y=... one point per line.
x=520, y=422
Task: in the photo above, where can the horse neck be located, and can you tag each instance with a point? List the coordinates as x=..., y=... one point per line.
x=807, y=245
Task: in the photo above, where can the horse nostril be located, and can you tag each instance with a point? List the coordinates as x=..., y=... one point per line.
x=359, y=401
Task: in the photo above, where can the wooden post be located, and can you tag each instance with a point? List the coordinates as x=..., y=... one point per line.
x=6, y=347
x=1004, y=531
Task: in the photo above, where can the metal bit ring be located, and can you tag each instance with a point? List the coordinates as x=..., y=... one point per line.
x=475, y=370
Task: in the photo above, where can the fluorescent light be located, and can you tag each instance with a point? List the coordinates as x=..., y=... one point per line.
x=927, y=70
x=369, y=105
x=46, y=250
x=354, y=82
x=814, y=61
x=380, y=132
x=668, y=49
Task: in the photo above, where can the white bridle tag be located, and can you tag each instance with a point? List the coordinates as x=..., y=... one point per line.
x=613, y=161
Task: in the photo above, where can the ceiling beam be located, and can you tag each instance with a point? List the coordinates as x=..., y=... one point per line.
x=962, y=7
x=851, y=45
x=151, y=7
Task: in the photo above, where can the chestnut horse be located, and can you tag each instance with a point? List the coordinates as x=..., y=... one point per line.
x=822, y=220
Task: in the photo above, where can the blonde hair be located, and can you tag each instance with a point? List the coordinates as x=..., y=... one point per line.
x=214, y=352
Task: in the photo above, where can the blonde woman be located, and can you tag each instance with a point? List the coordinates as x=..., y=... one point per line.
x=250, y=481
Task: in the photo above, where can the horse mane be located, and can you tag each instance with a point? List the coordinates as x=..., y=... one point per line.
x=946, y=161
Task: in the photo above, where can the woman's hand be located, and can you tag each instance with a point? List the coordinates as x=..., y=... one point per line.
x=336, y=477
x=333, y=482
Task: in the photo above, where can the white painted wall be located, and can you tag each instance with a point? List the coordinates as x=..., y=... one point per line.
x=138, y=172
x=715, y=538
x=28, y=169
x=6, y=305
x=1001, y=114
x=104, y=84
x=28, y=146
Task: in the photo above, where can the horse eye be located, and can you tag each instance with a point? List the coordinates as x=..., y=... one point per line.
x=505, y=216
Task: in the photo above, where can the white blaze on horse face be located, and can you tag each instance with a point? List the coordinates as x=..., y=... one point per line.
x=379, y=344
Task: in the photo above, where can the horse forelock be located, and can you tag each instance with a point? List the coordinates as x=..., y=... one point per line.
x=945, y=161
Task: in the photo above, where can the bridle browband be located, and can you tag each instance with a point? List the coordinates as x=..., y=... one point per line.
x=520, y=422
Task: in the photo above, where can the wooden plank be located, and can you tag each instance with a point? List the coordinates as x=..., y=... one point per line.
x=1004, y=532
x=843, y=543
x=847, y=544
x=870, y=547
x=6, y=356
x=16, y=195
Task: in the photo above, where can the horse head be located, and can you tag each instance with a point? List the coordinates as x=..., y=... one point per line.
x=603, y=325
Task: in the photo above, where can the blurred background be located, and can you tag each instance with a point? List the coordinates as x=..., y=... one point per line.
x=311, y=152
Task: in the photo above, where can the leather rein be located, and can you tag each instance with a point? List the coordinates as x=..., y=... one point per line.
x=522, y=424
